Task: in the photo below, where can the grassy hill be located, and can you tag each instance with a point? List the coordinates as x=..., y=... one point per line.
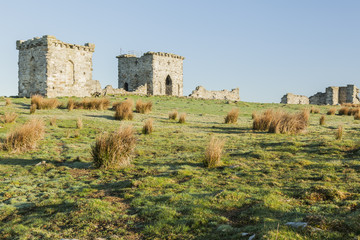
x=265, y=181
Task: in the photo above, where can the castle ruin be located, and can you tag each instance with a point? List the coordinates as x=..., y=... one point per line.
x=161, y=73
x=201, y=92
x=331, y=96
x=52, y=68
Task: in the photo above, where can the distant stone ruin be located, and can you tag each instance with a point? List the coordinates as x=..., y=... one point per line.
x=290, y=98
x=331, y=96
x=52, y=68
x=161, y=73
x=201, y=92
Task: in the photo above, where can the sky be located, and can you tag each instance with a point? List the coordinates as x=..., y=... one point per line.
x=265, y=48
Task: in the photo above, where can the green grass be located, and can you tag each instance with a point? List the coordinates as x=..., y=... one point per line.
x=265, y=180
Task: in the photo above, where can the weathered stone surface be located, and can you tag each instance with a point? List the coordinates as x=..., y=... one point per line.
x=109, y=90
x=290, y=98
x=162, y=73
x=201, y=92
x=52, y=68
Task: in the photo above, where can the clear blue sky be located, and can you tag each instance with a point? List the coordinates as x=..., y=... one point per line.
x=266, y=48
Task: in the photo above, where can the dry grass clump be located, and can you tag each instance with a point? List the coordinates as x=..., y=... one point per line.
x=8, y=117
x=354, y=111
x=143, y=107
x=7, y=102
x=281, y=122
x=357, y=116
x=71, y=104
x=331, y=111
x=344, y=111
x=262, y=122
x=182, y=118
x=79, y=123
x=114, y=150
x=32, y=108
x=173, y=115
x=148, y=127
x=339, y=133
x=253, y=115
x=314, y=110
x=322, y=120
x=232, y=116
x=53, y=121
x=213, y=152
x=25, y=137
x=44, y=103
x=124, y=110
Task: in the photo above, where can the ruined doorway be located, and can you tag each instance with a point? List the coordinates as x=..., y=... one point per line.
x=168, y=87
x=126, y=86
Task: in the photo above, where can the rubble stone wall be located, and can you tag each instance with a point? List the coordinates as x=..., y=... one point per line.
x=201, y=92
x=290, y=98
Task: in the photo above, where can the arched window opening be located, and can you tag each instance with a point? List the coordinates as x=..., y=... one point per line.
x=168, y=83
x=70, y=72
x=126, y=86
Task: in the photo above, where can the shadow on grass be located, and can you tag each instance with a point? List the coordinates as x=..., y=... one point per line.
x=23, y=105
x=32, y=162
x=101, y=116
x=225, y=129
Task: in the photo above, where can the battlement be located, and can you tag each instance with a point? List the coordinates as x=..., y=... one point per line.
x=48, y=41
x=152, y=53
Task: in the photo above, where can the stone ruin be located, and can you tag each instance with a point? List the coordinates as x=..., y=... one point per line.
x=201, y=92
x=161, y=73
x=331, y=96
x=52, y=68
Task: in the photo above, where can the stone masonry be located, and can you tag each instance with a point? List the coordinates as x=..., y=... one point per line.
x=52, y=68
x=331, y=96
x=290, y=98
x=162, y=73
x=201, y=92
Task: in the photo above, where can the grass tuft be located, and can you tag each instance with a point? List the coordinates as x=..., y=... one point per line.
x=114, y=150
x=79, y=123
x=232, y=116
x=8, y=102
x=53, y=121
x=322, y=120
x=182, y=118
x=44, y=103
x=8, y=117
x=143, y=107
x=344, y=111
x=71, y=104
x=124, y=110
x=314, y=110
x=148, y=127
x=331, y=111
x=213, y=152
x=33, y=108
x=173, y=115
x=339, y=133
x=25, y=137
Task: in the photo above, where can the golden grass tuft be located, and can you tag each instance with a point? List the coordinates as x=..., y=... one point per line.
x=33, y=108
x=8, y=117
x=79, y=123
x=357, y=116
x=314, y=110
x=89, y=104
x=182, y=118
x=124, y=110
x=143, y=107
x=253, y=115
x=331, y=111
x=71, y=104
x=322, y=120
x=148, y=127
x=232, y=116
x=262, y=122
x=8, y=102
x=213, y=152
x=114, y=150
x=344, y=111
x=25, y=137
x=44, y=103
x=339, y=133
x=53, y=121
x=173, y=115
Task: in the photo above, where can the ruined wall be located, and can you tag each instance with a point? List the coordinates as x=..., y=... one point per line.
x=290, y=98
x=201, y=92
x=60, y=69
x=161, y=72
x=336, y=95
x=109, y=90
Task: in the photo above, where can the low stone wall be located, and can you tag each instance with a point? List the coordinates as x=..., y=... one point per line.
x=290, y=98
x=109, y=90
x=201, y=92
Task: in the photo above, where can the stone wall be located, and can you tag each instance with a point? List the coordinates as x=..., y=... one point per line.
x=52, y=68
x=161, y=72
x=290, y=98
x=201, y=92
x=109, y=90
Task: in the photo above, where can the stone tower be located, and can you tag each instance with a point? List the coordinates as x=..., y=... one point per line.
x=52, y=68
x=161, y=73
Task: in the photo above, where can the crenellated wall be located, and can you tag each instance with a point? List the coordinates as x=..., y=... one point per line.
x=52, y=68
